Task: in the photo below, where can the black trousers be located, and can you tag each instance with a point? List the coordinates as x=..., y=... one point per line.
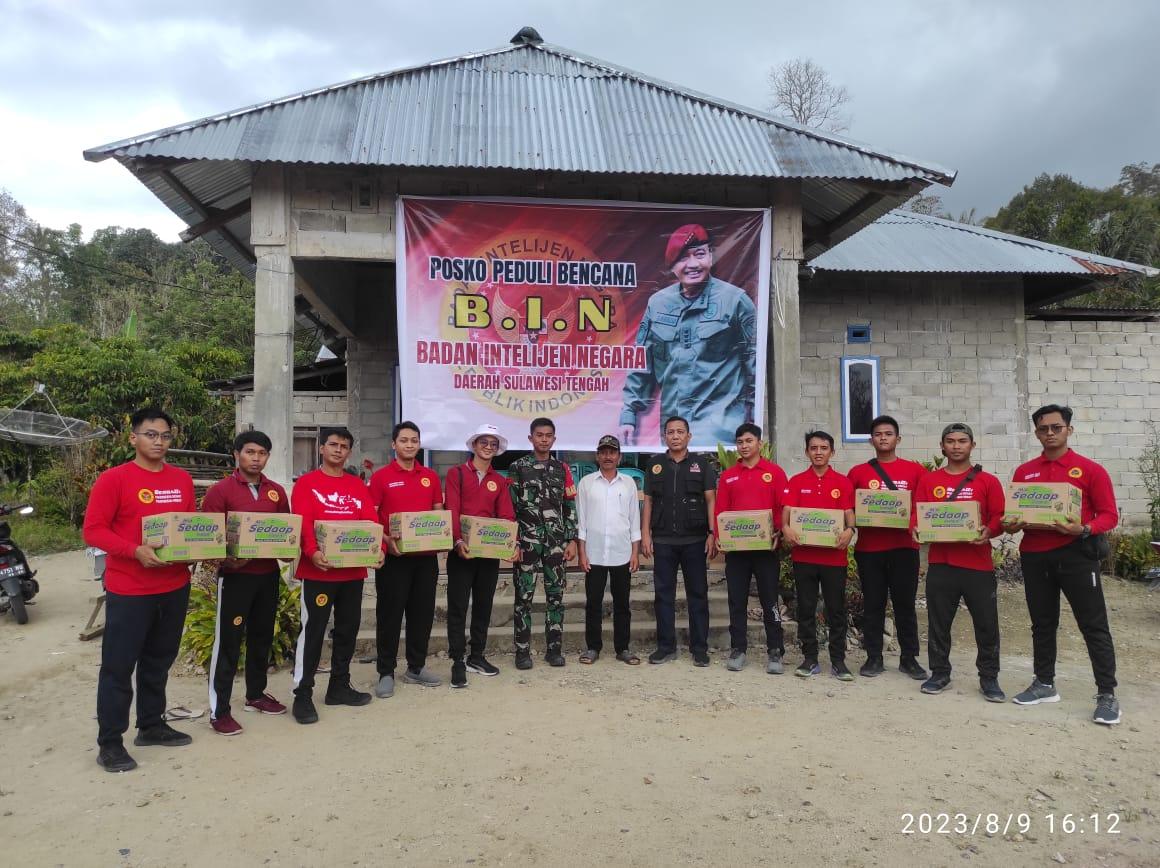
x=143, y=633
x=690, y=557
x=1066, y=569
x=832, y=580
x=945, y=587
x=318, y=599
x=469, y=580
x=595, y=581
x=740, y=567
x=405, y=587
x=246, y=606
x=894, y=574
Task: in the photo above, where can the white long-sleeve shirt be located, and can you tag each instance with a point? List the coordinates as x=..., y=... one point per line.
x=608, y=514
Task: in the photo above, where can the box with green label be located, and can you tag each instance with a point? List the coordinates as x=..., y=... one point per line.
x=186, y=536
x=1043, y=504
x=428, y=531
x=252, y=535
x=489, y=537
x=349, y=543
x=817, y=527
x=881, y=507
x=948, y=521
x=745, y=530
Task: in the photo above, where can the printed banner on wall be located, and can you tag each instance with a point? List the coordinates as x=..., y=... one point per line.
x=607, y=318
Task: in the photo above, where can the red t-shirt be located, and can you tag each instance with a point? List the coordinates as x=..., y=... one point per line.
x=939, y=485
x=757, y=487
x=1099, y=510
x=831, y=490
x=120, y=498
x=905, y=475
x=234, y=494
x=318, y=496
x=395, y=489
x=467, y=494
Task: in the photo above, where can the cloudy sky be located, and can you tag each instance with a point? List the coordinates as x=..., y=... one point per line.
x=999, y=89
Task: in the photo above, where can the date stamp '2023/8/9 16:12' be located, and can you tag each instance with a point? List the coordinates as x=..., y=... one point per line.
x=991, y=824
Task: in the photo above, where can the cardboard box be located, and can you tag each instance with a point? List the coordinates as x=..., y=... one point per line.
x=817, y=527
x=428, y=531
x=745, y=530
x=252, y=535
x=1043, y=504
x=881, y=507
x=948, y=521
x=489, y=537
x=186, y=536
x=350, y=543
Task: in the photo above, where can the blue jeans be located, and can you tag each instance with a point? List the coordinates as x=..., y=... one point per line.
x=691, y=559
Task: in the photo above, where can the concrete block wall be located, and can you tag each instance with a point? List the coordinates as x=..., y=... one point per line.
x=370, y=388
x=1109, y=374
x=311, y=409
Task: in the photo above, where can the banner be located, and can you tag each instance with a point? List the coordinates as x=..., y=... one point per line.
x=605, y=317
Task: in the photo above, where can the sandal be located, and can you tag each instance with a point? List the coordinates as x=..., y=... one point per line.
x=180, y=712
x=628, y=657
x=589, y=656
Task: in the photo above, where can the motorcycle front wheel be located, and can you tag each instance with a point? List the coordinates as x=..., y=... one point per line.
x=19, y=610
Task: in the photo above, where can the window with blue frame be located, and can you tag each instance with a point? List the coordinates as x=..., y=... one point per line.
x=860, y=396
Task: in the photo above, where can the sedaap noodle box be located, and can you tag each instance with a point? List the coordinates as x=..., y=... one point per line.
x=1043, y=504
x=349, y=543
x=881, y=507
x=489, y=537
x=948, y=521
x=428, y=531
x=745, y=530
x=817, y=527
x=186, y=536
x=252, y=535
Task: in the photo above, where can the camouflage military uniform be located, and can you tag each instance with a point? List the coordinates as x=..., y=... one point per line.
x=544, y=496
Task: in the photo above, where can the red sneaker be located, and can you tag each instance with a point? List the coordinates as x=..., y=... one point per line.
x=226, y=725
x=266, y=704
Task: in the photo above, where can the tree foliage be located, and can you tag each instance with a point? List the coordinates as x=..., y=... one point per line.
x=802, y=91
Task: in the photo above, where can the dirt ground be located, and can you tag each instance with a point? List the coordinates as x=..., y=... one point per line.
x=604, y=764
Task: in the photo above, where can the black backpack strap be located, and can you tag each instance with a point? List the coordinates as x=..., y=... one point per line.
x=882, y=474
x=971, y=474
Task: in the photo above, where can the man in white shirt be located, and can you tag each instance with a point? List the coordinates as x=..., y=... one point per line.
x=608, y=514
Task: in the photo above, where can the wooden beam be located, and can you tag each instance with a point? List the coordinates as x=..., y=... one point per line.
x=324, y=311
x=217, y=218
x=192, y=201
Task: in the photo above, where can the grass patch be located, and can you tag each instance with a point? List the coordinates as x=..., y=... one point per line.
x=42, y=536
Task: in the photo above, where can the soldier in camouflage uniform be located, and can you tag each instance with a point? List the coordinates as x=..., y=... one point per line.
x=545, y=502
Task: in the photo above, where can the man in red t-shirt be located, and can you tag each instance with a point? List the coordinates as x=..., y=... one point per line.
x=1066, y=558
x=145, y=597
x=962, y=571
x=247, y=589
x=752, y=483
x=328, y=494
x=888, y=557
x=404, y=584
x=474, y=488
x=820, y=487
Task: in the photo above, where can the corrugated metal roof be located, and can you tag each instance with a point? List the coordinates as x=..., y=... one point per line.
x=903, y=241
x=531, y=107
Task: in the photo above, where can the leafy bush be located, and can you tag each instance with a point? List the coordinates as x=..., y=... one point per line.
x=1149, y=465
x=1132, y=555
x=727, y=457
x=1005, y=558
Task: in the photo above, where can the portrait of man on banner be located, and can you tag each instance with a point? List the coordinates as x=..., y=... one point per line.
x=700, y=338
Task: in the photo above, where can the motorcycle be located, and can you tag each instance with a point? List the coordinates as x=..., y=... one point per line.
x=17, y=579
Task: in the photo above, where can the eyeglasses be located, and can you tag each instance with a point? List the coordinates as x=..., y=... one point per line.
x=154, y=436
x=487, y=444
x=1050, y=429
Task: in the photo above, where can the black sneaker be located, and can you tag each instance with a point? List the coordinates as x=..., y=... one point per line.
x=161, y=735
x=1107, y=709
x=554, y=658
x=992, y=692
x=458, y=674
x=936, y=684
x=480, y=666
x=700, y=658
x=839, y=671
x=523, y=660
x=910, y=666
x=114, y=758
x=660, y=656
x=344, y=694
x=303, y=710
x=872, y=667
x=808, y=668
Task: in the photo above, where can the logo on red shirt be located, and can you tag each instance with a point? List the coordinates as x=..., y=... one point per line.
x=939, y=492
x=1075, y=472
x=273, y=495
x=491, y=486
x=425, y=482
x=767, y=477
x=875, y=484
x=834, y=493
x=145, y=496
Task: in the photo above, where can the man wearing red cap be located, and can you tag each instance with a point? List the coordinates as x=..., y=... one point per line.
x=702, y=346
